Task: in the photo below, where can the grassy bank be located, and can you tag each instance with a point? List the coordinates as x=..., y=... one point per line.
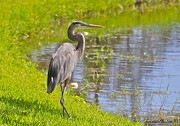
x=23, y=97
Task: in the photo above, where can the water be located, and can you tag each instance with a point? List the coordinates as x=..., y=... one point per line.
x=139, y=78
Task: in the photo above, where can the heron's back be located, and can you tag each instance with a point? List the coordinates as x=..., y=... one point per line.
x=61, y=65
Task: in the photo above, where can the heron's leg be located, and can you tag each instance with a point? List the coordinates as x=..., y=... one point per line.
x=62, y=98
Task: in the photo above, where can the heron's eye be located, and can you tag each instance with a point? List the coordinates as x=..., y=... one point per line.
x=78, y=25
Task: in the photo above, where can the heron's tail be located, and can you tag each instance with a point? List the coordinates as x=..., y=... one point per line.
x=50, y=86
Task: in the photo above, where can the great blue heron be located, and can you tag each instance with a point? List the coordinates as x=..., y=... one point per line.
x=64, y=60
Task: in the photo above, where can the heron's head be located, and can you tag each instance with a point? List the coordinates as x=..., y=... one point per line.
x=82, y=25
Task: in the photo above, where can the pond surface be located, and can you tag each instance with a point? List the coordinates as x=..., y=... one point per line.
x=133, y=71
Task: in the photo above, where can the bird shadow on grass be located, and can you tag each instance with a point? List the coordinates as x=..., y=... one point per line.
x=24, y=108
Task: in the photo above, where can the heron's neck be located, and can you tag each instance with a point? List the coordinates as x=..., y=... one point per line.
x=81, y=41
x=71, y=34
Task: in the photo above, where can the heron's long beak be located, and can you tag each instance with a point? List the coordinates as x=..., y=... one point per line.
x=92, y=26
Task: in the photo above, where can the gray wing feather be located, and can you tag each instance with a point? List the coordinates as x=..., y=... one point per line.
x=61, y=65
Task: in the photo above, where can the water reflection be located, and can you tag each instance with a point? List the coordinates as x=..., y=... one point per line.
x=43, y=55
x=141, y=78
